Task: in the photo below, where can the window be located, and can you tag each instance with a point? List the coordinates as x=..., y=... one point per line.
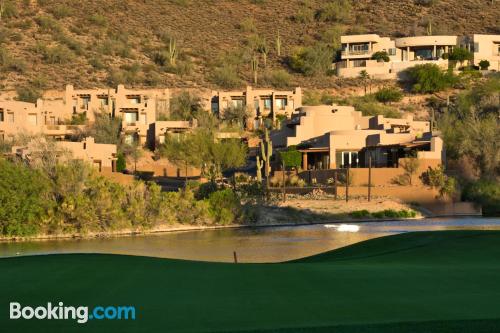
x=130, y=139
x=131, y=118
x=1, y=115
x=33, y=119
x=498, y=49
x=236, y=103
x=103, y=101
x=347, y=158
x=85, y=102
x=359, y=63
x=392, y=52
x=134, y=99
x=281, y=103
x=359, y=48
x=10, y=117
x=267, y=103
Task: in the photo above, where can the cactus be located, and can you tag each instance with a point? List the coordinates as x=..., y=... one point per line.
x=278, y=44
x=260, y=164
x=429, y=28
x=255, y=67
x=264, y=49
x=266, y=149
x=172, y=51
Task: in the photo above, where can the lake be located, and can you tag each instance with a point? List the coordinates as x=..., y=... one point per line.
x=261, y=244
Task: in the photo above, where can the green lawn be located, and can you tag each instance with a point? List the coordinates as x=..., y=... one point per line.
x=446, y=281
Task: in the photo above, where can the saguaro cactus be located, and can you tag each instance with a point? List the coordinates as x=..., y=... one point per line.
x=260, y=164
x=429, y=28
x=255, y=68
x=172, y=51
x=266, y=150
x=278, y=44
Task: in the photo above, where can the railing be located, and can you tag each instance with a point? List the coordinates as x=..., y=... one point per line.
x=355, y=52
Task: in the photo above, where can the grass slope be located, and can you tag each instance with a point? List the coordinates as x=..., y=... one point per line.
x=426, y=281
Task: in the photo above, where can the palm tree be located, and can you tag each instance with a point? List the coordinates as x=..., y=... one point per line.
x=364, y=76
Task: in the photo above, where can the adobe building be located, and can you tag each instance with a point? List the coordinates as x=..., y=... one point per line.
x=406, y=52
x=333, y=136
x=101, y=156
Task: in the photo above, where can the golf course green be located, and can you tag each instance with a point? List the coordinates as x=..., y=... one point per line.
x=440, y=281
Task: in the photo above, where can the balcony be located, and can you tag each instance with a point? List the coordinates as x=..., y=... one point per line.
x=355, y=52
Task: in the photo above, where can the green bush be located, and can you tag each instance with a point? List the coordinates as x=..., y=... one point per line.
x=381, y=56
x=98, y=20
x=121, y=163
x=388, y=94
x=486, y=193
x=360, y=214
x=48, y=24
x=25, y=198
x=311, y=60
x=304, y=15
x=60, y=11
x=28, y=94
x=291, y=157
x=429, y=78
x=226, y=77
x=225, y=206
x=484, y=64
x=9, y=9
x=335, y=11
x=279, y=78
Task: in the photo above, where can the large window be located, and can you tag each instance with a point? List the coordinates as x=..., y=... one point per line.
x=267, y=103
x=237, y=103
x=103, y=101
x=85, y=101
x=134, y=99
x=347, y=159
x=131, y=117
x=281, y=103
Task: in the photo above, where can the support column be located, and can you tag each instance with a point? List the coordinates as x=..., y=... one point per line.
x=407, y=53
x=304, y=161
x=434, y=52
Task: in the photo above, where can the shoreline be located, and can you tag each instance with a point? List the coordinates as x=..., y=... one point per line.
x=188, y=228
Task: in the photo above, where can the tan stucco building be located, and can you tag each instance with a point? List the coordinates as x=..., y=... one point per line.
x=406, y=52
x=333, y=136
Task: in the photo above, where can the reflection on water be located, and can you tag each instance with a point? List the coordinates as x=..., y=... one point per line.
x=271, y=244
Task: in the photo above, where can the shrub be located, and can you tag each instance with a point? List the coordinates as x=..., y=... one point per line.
x=98, y=20
x=28, y=94
x=247, y=25
x=205, y=190
x=48, y=24
x=224, y=206
x=381, y=56
x=311, y=60
x=460, y=54
x=360, y=213
x=60, y=11
x=426, y=3
x=484, y=64
x=335, y=11
x=226, y=77
x=486, y=193
x=387, y=95
x=121, y=163
x=436, y=178
x=59, y=54
x=304, y=15
x=429, y=78
x=292, y=158
x=9, y=9
x=279, y=78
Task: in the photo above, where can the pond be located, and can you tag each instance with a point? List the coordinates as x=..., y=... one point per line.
x=260, y=244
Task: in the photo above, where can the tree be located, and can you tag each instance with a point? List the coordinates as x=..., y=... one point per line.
x=105, y=129
x=135, y=152
x=381, y=56
x=236, y=115
x=201, y=149
x=410, y=166
x=121, y=163
x=185, y=106
x=365, y=77
x=292, y=158
x=311, y=60
x=461, y=55
x=429, y=78
x=436, y=178
x=25, y=198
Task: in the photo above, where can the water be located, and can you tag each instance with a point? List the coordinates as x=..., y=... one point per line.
x=270, y=244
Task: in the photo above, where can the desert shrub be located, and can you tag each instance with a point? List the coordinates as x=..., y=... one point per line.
x=304, y=15
x=279, y=78
x=106, y=129
x=226, y=77
x=205, y=190
x=9, y=9
x=225, y=207
x=331, y=36
x=97, y=63
x=47, y=24
x=98, y=20
x=247, y=25
x=71, y=43
x=127, y=74
x=311, y=60
x=28, y=94
x=115, y=47
x=9, y=63
x=60, y=11
x=437, y=178
x=315, y=97
x=388, y=94
x=484, y=64
x=381, y=56
x=426, y=3
x=391, y=213
x=58, y=54
x=429, y=78
x=335, y=11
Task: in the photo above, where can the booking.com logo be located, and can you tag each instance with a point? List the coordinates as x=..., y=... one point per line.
x=81, y=314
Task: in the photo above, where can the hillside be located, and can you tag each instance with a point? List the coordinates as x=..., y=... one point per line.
x=46, y=44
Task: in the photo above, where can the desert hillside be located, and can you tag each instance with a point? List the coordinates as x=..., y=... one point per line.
x=48, y=43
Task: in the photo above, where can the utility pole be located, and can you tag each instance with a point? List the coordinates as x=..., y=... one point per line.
x=347, y=184
x=369, y=175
